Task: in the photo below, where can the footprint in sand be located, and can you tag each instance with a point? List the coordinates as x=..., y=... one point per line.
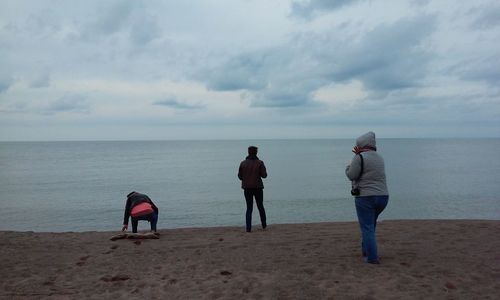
x=114, y=247
x=82, y=261
x=115, y=278
x=50, y=282
x=450, y=286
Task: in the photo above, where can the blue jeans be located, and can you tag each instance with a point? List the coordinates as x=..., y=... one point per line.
x=259, y=200
x=152, y=218
x=368, y=208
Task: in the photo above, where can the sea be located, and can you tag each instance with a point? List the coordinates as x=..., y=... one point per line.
x=82, y=185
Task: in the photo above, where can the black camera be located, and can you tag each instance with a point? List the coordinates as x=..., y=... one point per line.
x=355, y=191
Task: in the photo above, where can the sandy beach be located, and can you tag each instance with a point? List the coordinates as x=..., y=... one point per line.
x=424, y=259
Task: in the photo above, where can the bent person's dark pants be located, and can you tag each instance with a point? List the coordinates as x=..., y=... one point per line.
x=259, y=199
x=152, y=218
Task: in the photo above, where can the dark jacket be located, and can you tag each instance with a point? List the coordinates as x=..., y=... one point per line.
x=251, y=172
x=132, y=200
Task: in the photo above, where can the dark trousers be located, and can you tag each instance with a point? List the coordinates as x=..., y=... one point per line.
x=259, y=199
x=151, y=218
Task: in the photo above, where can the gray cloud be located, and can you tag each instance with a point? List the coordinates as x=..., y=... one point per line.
x=486, y=17
x=125, y=24
x=273, y=77
x=74, y=103
x=387, y=58
x=485, y=69
x=42, y=24
x=174, y=103
x=112, y=19
x=5, y=83
x=390, y=57
x=310, y=8
x=419, y=2
x=42, y=81
x=291, y=90
x=144, y=30
x=419, y=59
x=247, y=71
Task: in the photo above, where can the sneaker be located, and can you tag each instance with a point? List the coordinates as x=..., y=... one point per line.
x=374, y=262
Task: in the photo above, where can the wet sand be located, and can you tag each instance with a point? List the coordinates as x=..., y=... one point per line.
x=424, y=259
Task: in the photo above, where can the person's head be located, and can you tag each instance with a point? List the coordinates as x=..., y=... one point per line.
x=252, y=151
x=131, y=193
x=366, y=140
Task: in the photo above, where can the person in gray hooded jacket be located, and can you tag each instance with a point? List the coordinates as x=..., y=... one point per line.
x=367, y=173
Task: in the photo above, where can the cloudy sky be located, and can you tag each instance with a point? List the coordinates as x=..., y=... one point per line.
x=226, y=69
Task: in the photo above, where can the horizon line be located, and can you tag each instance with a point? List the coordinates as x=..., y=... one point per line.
x=239, y=139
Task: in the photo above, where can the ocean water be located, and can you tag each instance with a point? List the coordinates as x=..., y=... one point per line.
x=82, y=186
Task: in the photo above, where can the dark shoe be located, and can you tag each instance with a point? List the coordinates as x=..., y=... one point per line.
x=374, y=262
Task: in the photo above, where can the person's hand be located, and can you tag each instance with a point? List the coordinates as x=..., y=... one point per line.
x=356, y=149
x=124, y=228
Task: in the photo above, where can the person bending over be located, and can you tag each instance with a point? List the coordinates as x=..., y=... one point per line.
x=140, y=207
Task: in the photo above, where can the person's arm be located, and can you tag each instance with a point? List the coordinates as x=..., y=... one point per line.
x=239, y=172
x=126, y=215
x=263, y=171
x=353, y=170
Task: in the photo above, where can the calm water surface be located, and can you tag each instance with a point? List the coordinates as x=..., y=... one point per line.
x=81, y=186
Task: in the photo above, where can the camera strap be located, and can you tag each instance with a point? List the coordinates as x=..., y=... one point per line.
x=361, y=172
x=355, y=191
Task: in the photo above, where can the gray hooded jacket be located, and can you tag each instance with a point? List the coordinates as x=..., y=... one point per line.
x=372, y=181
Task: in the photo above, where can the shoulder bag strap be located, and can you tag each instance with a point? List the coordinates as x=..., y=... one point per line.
x=361, y=172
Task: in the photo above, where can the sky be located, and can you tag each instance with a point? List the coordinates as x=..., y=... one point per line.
x=248, y=69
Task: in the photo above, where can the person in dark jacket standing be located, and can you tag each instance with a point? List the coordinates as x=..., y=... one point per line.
x=367, y=172
x=140, y=207
x=251, y=172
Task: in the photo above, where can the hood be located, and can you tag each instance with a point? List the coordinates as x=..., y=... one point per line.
x=366, y=140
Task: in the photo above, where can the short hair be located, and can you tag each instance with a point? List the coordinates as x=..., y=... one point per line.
x=252, y=149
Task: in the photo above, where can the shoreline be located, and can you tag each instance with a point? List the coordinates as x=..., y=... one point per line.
x=419, y=259
x=144, y=227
